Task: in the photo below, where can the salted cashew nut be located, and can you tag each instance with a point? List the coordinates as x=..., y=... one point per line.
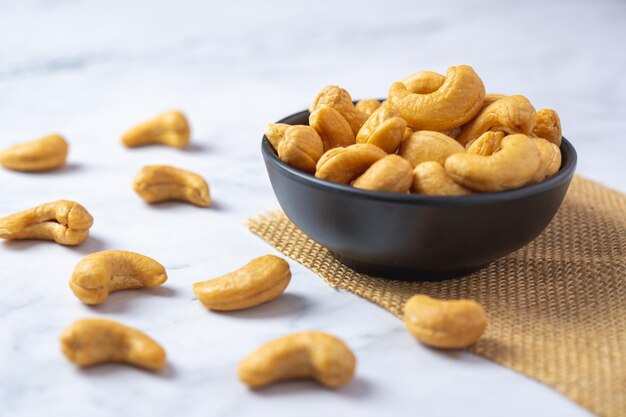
x=426, y=145
x=486, y=144
x=306, y=355
x=259, y=281
x=550, y=155
x=301, y=148
x=391, y=173
x=368, y=105
x=454, y=324
x=457, y=101
x=44, y=154
x=65, y=222
x=275, y=132
x=384, y=128
x=431, y=178
x=424, y=82
x=512, y=114
x=510, y=167
x=101, y=273
x=89, y=342
x=158, y=183
x=169, y=128
x=548, y=126
x=344, y=165
x=332, y=127
x=339, y=99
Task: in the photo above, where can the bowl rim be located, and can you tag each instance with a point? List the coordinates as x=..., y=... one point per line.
x=565, y=174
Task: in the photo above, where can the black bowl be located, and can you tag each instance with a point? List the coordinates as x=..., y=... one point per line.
x=415, y=237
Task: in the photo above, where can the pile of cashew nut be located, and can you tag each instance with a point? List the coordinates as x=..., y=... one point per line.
x=434, y=135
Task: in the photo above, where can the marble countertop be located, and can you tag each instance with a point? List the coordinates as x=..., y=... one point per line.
x=91, y=69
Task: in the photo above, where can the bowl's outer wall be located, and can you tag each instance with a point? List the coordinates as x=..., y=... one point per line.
x=393, y=237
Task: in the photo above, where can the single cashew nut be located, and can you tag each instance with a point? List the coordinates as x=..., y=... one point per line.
x=259, y=281
x=275, y=132
x=42, y=154
x=491, y=98
x=457, y=101
x=368, y=105
x=157, y=183
x=548, y=126
x=65, y=222
x=315, y=355
x=550, y=155
x=511, y=167
x=512, y=114
x=100, y=273
x=339, y=99
x=486, y=144
x=431, y=178
x=424, y=82
x=454, y=324
x=89, y=342
x=170, y=129
x=332, y=127
x=344, y=165
x=301, y=148
x=391, y=173
x=384, y=128
x=426, y=145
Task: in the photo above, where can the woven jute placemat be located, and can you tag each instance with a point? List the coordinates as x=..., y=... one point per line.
x=557, y=307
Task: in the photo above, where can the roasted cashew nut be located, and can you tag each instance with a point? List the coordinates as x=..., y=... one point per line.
x=424, y=82
x=491, y=98
x=486, y=144
x=158, y=183
x=65, y=222
x=42, y=154
x=511, y=167
x=548, y=126
x=275, y=132
x=368, y=106
x=315, y=355
x=89, y=342
x=454, y=324
x=101, y=273
x=431, y=178
x=457, y=101
x=384, y=128
x=426, y=145
x=332, y=127
x=344, y=165
x=391, y=173
x=259, y=281
x=301, y=148
x=550, y=155
x=340, y=100
x=170, y=129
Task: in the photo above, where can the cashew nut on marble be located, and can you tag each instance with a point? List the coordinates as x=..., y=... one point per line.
x=170, y=129
x=339, y=99
x=301, y=148
x=431, y=178
x=344, y=165
x=426, y=145
x=384, y=128
x=391, y=173
x=332, y=127
x=158, y=183
x=44, y=154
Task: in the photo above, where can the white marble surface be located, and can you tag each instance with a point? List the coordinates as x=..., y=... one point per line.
x=90, y=69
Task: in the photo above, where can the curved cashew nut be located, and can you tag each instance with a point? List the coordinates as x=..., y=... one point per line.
x=157, y=183
x=42, y=154
x=344, y=165
x=550, y=155
x=100, y=273
x=454, y=324
x=426, y=145
x=275, y=132
x=391, y=173
x=301, y=148
x=511, y=167
x=491, y=98
x=339, y=99
x=332, y=127
x=89, y=342
x=431, y=178
x=486, y=144
x=65, y=222
x=512, y=114
x=384, y=128
x=259, y=281
x=316, y=355
x=424, y=82
x=170, y=129
x=368, y=106
x=456, y=102
x=548, y=126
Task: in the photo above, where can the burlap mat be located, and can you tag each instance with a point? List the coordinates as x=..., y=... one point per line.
x=557, y=307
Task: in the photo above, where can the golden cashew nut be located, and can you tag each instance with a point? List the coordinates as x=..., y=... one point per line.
x=426, y=145
x=332, y=128
x=548, y=126
x=101, y=273
x=170, y=129
x=301, y=148
x=511, y=167
x=339, y=99
x=368, y=106
x=491, y=98
x=384, y=128
x=424, y=82
x=512, y=114
x=431, y=178
x=486, y=144
x=453, y=133
x=158, y=183
x=550, y=155
x=42, y=154
x=344, y=165
x=457, y=101
x=315, y=355
x=391, y=173
x=89, y=342
x=259, y=281
x=275, y=132
x=65, y=222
